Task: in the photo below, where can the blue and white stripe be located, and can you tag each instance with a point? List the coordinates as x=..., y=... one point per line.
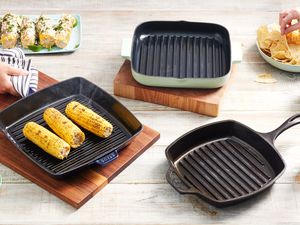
x=24, y=85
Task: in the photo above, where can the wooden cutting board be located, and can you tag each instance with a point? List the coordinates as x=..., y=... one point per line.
x=202, y=101
x=79, y=188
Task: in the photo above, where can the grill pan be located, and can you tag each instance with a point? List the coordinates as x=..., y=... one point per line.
x=180, y=54
x=94, y=149
x=225, y=162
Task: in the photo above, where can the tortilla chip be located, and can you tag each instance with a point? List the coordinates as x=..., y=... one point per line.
x=265, y=78
x=284, y=49
x=263, y=39
x=280, y=50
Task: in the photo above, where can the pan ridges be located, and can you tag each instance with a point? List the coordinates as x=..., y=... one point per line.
x=225, y=169
x=92, y=148
x=181, y=56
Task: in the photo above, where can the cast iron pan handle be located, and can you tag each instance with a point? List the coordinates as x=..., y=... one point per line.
x=292, y=121
x=178, y=184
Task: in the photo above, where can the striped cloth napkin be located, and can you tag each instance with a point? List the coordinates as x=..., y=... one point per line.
x=24, y=85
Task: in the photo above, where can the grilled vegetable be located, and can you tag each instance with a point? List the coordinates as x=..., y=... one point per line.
x=64, y=127
x=88, y=119
x=27, y=32
x=10, y=30
x=63, y=30
x=45, y=31
x=46, y=140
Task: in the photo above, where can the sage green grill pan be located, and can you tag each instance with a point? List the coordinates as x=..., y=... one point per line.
x=181, y=54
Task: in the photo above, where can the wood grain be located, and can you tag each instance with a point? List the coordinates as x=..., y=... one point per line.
x=79, y=188
x=206, y=102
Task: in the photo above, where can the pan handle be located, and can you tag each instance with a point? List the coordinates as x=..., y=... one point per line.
x=236, y=51
x=292, y=121
x=174, y=180
x=126, y=48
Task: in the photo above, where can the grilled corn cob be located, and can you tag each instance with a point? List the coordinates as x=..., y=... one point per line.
x=88, y=119
x=10, y=30
x=46, y=140
x=63, y=30
x=27, y=32
x=45, y=31
x=64, y=127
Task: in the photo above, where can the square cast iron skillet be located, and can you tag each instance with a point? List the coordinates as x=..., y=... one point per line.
x=94, y=149
x=225, y=162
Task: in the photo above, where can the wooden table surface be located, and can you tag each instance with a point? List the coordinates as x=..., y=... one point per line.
x=140, y=194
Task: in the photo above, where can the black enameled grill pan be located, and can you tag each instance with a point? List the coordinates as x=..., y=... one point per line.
x=180, y=54
x=225, y=162
x=94, y=149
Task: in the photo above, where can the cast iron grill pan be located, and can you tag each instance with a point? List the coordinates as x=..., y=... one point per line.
x=93, y=147
x=225, y=162
x=181, y=50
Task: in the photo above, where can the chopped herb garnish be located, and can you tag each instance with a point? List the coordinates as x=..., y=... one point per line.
x=35, y=48
x=58, y=27
x=76, y=46
x=10, y=28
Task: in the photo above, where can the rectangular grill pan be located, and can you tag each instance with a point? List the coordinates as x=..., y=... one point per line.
x=94, y=148
x=225, y=162
x=180, y=54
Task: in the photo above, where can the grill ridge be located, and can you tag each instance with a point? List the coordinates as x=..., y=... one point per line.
x=196, y=181
x=223, y=185
x=250, y=164
x=233, y=167
x=93, y=148
x=226, y=169
x=231, y=173
x=217, y=170
x=240, y=164
x=180, y=56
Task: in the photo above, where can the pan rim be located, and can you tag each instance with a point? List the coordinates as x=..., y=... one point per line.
x=179, y=80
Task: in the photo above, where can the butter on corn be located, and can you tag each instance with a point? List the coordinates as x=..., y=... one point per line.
x=27, y=32
x=45, y=31
x=63, y=30
x=10, y=30
x=64, y=127
x=46, y=140
x=88, y=119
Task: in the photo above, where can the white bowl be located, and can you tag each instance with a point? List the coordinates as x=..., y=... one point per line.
x=279, y=65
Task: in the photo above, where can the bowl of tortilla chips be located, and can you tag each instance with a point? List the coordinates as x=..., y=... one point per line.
x=283, y=52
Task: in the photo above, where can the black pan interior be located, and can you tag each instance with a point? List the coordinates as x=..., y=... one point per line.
x=58, y=96
x=225, y=161
x=181, y=50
